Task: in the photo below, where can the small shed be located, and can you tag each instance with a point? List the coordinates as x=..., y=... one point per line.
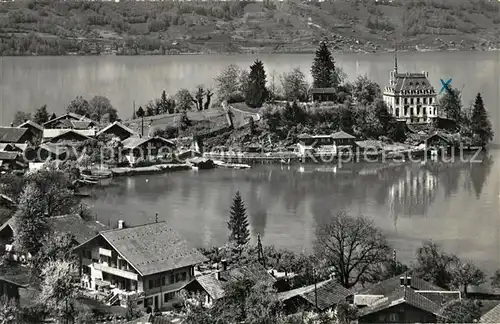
x=323, y=94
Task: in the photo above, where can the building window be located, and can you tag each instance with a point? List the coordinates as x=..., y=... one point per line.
x=148, y=302
x=424, y=100
x=418, y=100
x=397, y=100
x=172, y=278
x=163, y=281
x=406, y=111
x=393, y=317
x=150, y=284
x=411, y=101
x=397, y=112
x=180, y=277
x=430, y=100
x=418, y=110
x=406, y=101
x=168, y=297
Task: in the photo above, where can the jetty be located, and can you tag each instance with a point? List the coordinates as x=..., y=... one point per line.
x=222, y=164
x=153, y=169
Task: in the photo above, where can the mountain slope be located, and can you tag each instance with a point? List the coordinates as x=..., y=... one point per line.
x=132, y=27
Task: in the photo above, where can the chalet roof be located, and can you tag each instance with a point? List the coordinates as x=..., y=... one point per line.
x=8, y=156
x=492, y=316
x=400, y=296
x=372, y=144
x=66, y=116
x=412, y=81
x=69, y=132
x=215, y=287
x=53, y=132
x=388, y=286
x=82, y=230
x=82, y=124
x=211, y=285
x=54, y=148
x=342, y=135
x=323, y=90
x=115, y=124
x=31, y=123
x=11, y=134
x=153, y=248
x=133, y=142
x=328, y=292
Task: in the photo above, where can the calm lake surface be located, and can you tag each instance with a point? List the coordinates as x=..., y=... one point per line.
x=29, y=82
x=457, y=205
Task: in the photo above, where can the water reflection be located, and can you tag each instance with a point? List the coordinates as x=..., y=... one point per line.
x=450, y=202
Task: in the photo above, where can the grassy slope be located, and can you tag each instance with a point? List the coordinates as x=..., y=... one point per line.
x=246, y=27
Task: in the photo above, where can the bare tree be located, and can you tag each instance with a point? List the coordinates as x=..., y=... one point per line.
x=352, y=246
x=464, y=274
x=198, y=97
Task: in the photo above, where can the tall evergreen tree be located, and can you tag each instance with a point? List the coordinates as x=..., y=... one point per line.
x=41, y=115
x=323, y=68
x=140, y=112
x=481, y=125
x=451, y=105
x=256, y=91
x=53, y=116
x=238, y=221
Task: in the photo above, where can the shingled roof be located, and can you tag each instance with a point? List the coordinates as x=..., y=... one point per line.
x=31, y=123
x=328, y=293
x=133, y=142
x=400, y=296
x=115, y=124
x=82, y=230
x=412, y=81
x=492, y=316
x=11, y=134
x=153, y=248
x=386, y=287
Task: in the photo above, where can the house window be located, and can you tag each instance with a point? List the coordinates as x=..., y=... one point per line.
x=163, y=281
x=418, y=100
x=406, y=111
x=148, y=302
x=172, y=278
x=425, y=100
x=393, y=317
x=406, y=101
x=411, y=101
x=397, y=100
x=418, y=110
x=168, y=297
x=430, y=100
x=180, y=277
x=150, y=284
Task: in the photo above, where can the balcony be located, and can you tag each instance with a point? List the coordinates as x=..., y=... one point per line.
x=115, y=271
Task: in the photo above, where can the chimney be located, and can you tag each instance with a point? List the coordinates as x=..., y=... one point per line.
x=217, y=274
x=121, y=224
x=224, y=264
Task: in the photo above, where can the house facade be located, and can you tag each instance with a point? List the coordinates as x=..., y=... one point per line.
x=36, y=130
x=148, y=263
x=328, y=144
x=323, y=94
x=10, y=289
x=410, y=97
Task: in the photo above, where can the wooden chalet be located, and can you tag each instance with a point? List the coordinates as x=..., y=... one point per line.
x=139, y=149
x=323, y=94
x=116, y=129
x=68, y=136
x=60, y=122
x=36, y=130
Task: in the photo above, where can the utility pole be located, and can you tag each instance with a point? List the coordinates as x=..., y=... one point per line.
x=315, y=289
x=142, y=126
x=260, y=252
x=133, y=111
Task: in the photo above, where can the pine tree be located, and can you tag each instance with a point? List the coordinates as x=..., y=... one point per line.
x=140, y=112
x=41, y=115
x=481, y=125
x=451, y=105
x=238, y=222
x=164, y=103
x=256, y=91
x=53, y=116
x=323, y=68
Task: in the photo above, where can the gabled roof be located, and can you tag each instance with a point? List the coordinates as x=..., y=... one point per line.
x=115, y=124
x=133, y=142
x=153, y=248
x=66, y=116
x=401, y=296
x=492, y=316
x=82, y=230
x=11, y=134
x=328, y=293
x=371, y=144
x=392, y=284
x=412, y=81
x=342, y=135
x=31, y=123
x=82, y=124
x=54, y=148
x=69, y=132
x=215, y=287
x=53, y=132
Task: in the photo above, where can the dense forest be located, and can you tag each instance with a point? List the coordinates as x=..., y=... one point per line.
x=53, y=27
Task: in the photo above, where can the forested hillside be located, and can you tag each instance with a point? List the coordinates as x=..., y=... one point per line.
x=52, y=27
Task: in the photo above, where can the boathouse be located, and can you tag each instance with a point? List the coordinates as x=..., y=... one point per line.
x=149, y=263
x=323, y=94
x=410, y=97
x=324, y=144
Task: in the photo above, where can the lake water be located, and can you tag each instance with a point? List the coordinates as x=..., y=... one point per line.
x=457, y=205
x=29, y=82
